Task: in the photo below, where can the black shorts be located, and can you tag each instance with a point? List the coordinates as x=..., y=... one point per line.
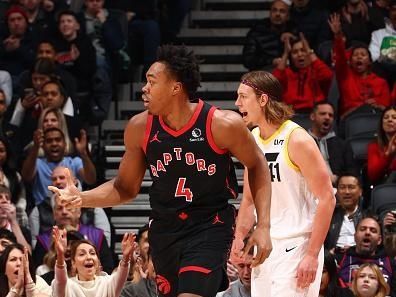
x=190, y=252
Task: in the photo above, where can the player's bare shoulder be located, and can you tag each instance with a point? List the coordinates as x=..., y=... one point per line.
x=135, y=129
x=226, y=126
x=300, y=144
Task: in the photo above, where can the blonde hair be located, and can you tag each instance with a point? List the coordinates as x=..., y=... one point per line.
x=262, y=82
x=383, y=287
x=62, y=126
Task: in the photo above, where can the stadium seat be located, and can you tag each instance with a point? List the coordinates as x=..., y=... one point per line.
x=383, y=198
x=364, y=124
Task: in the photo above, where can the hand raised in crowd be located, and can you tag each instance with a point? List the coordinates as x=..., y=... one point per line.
x=59, y=237
x=128, y=246
x=70, y=196
x=28, y=277
x=81, y=143
x=74, y=52
x=38, y=138
x=232, y=272
x=391, y=147
x=335, y=24
x=11, y=43
x=10, y=211
x=30, y=100
x=389, y=219
x=101, y=16
x=306, y=271
x=139, y=267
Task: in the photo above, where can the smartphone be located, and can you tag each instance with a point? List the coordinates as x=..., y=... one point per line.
x=28, y=92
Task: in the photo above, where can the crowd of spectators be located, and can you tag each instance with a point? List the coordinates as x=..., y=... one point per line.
x=58, y=63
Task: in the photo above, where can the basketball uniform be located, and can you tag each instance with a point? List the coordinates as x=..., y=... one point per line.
x=191, y=223
x=292, y=212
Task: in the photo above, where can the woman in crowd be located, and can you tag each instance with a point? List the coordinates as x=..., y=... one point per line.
x=17, y=276
x=369, y=282
x=12, y=179
x=53, y=117
x=361, y=90
x=307, y=80
x=88, y=280
x=328, y=286
x=381, y=154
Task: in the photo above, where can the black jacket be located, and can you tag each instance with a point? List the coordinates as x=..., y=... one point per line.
x=336, y=224
x=263, y=44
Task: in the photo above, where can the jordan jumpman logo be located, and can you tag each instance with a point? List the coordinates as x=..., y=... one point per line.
x=155, y=138
x=217, y=219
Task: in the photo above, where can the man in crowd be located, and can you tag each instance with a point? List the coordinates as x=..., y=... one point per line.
x=347, y=213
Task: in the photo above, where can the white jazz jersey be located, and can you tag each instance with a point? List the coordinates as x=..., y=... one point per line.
x=292, y=205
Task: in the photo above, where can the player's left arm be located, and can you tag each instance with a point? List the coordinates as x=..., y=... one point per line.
x=304, y=153
x=230, y=132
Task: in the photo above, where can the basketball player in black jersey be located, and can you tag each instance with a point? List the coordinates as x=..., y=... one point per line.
x=187, y=146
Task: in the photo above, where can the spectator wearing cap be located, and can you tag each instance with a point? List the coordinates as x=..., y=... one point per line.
x=16, y=43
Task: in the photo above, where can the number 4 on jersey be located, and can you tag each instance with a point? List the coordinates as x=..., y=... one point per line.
x=181, y=191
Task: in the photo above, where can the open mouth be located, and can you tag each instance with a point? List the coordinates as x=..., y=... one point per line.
x=89, y=265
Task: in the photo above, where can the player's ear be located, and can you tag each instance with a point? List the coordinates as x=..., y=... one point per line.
x=177, y=88
x=263, y=99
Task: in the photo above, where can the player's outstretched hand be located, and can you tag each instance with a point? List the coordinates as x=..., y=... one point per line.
x=262, y=240
x=70, y=196
x=306, y=271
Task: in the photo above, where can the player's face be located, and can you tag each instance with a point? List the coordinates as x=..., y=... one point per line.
x=367, y=282
x=367, y=237
x=158, y=92
x=248, y=105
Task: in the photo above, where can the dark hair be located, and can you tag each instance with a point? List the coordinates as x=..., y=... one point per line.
x=9, y=170
x=369, y=215
x=347, y=173
x=317, y=104
x=183, y=65
x=381, y=136
x=141, y=231
x=4, y=288
x=52, y=129
x=61, y=88
x=7, y=234
x=359, y=45
x=44, y=66
x=67, y=12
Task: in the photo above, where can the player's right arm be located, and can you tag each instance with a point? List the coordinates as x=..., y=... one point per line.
x=126, y=185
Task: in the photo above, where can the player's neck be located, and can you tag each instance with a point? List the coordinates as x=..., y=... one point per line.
x=267, y=129
x=179, y=114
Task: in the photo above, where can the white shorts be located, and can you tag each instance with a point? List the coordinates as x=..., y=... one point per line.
x=276, y=277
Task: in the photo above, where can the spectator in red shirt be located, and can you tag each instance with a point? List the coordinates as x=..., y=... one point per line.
x=381, y=154
x=307, y=80
x=360, y=89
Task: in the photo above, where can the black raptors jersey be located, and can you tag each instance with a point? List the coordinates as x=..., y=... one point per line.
x=186, y=166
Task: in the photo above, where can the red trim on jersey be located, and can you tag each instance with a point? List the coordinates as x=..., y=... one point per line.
x=186, y=127
x=149, y=123
x=195, y=268
x=209, y=132
x=231, y=190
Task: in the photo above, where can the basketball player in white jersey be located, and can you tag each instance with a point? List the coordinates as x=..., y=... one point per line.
x=302, y=200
